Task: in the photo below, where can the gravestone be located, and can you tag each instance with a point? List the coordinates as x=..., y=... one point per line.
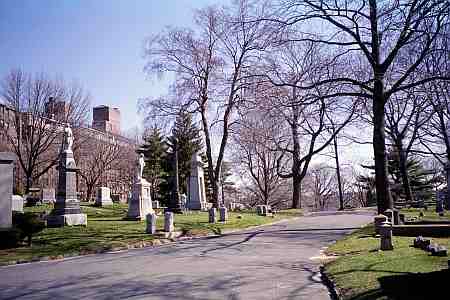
x=183, y=201
x=440, y=197
x=151, y=223
x=389, y=213
x=259, y=210
x=67, y=209
x=386, y=237
x=196, y=192
x=212, y=215
x=48, y=196
x=103, y=196
x=223, y=214
x=156, y=204
x=395, y=213
x=378, y=221
x=6, y=187
x=140, y=204
x=168, y=222
x=17, y=203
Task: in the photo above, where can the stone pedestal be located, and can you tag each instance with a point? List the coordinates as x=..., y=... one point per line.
x=196, y=192
x=103, y=197
x=140, y=203
x=67, y=209
x=212, y=213
x=48, y=196
x=168, y=222
x=6, y=187
x=378, y=221
x=223, y=214
x=386, y=237
x=151, y=223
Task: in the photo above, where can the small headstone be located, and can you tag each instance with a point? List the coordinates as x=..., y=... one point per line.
x=431, y=248
x=48, y=196
x=259, y=210
x=390, y=214
x=401, y=219
x=223, y=214
x=155, y=204
x=378, y=221
x=386, y=236
x=396, y=216
x=168, y=222
x=151, y=223
x=212, y=212
x=439, y=205
x=17, y=203
x=103, y=196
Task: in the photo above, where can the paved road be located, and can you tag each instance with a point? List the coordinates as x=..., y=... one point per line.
x=271, y=262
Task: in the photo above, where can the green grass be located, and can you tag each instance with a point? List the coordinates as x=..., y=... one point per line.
x=361, y=270
x=107, y=230
x=429, y=214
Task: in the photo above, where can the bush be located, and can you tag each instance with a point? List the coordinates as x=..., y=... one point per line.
x=10, y=238
x=28, y=224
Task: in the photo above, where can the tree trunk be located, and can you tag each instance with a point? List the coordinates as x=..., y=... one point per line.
x=296, y=182
x=338, y=174
x=404, y=173
x=384, y=200
x=29, y=183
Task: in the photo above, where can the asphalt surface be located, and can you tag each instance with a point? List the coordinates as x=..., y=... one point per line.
x=271, y=262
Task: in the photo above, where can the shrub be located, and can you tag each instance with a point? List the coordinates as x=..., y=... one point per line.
x=28, y=224
x=10, y=238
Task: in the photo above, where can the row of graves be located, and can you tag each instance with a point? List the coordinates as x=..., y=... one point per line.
x=67, y=210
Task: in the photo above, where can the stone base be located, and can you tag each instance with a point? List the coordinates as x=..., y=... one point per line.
x=67, y=220
x=104, y=202
x=169, y=235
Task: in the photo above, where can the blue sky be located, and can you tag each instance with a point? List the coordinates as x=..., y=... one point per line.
x=98, y=43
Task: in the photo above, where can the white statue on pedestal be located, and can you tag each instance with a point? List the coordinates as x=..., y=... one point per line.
x=140, y=164
x=67, y=138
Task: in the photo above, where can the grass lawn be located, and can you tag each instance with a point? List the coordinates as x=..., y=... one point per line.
x=107, y=230
x=363, y=272
x=429, y=214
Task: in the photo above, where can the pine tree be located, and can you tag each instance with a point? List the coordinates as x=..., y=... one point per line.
x=189, y=142
x=155, y=170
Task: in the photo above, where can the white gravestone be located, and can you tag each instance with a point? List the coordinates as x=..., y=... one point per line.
x=168, y=222
x=6, y=187
x=48, y=196
x=103, y=196
x=140, y=203
x=17, y=203
x=197, y=194
x=151, y=223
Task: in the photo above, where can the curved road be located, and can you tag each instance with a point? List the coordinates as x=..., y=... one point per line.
x=271, y=262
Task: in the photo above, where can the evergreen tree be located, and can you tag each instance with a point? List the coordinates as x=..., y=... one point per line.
x=155, y=170
x=189, y=142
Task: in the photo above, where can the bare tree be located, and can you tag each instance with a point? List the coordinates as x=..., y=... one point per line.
x=369, y=37
x=254, y=141
x=100, y=154
x=40, y=108
x=211, y=70
x=321, y=184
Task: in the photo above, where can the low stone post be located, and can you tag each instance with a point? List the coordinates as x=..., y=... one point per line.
x=223, y=214
x=395, y=213
x=401, y=219
x=151, y=223
x=386, y=237
x=378, y=221
x=212, y=215
x=390, y=214
x=168, y=221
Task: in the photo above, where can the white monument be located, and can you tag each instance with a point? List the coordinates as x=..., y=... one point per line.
x=140, y=204
x=197, y=194
x=103, y=196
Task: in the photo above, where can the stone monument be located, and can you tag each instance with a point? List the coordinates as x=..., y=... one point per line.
x=140, y=203
x=67, y=209
x=6, y=187
x=17, y=203
x=103, y=196
x=151, y=223
x=48, y=196
x=197, y=194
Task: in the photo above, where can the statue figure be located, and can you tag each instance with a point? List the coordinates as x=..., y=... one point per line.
x=140, y=164
x=67, y=138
